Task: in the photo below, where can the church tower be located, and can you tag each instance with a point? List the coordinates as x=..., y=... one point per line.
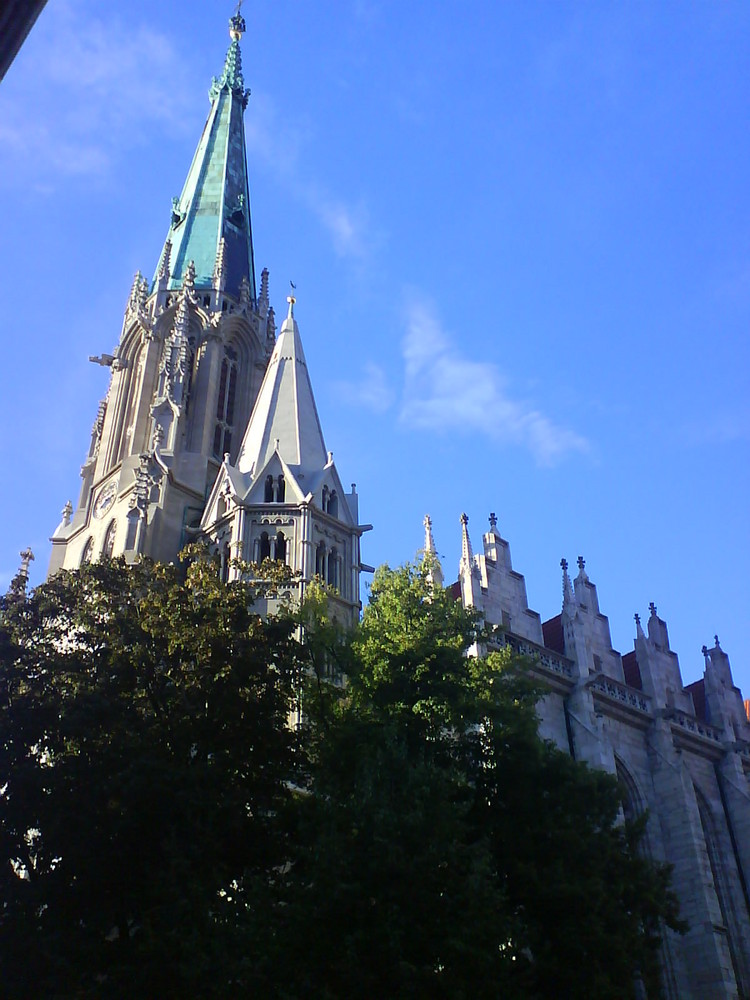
x=283, y=498
x=194, y=345
x=209, y=427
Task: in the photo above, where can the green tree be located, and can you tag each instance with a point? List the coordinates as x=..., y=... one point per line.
x=444, y=849
x=164, y=831
x=144, y=752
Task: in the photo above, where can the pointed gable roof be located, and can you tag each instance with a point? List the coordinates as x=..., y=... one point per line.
x=215, y=202
x=284, y=418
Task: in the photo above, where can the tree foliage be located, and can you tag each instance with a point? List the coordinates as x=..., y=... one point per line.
x=165, y=832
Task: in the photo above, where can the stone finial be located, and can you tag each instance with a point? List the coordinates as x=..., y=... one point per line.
x=704, y=650
x=652, y=609
x=188, y=281
x=134, y=292
x=245, y=295
x=142, y=295
x=638, y=627
x=263, y=298
x=567, y=586
x=582, y=575
x=431, y=561
x=164, y=264
x=493, y=522
x=429, y=541
x=27, y=557
x=67, y=513
x=716, y=642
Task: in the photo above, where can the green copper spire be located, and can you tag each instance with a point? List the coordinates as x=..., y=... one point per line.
x=211, y=218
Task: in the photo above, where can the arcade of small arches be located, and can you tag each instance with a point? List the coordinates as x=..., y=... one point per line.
x=329, y=564
x=271, y=546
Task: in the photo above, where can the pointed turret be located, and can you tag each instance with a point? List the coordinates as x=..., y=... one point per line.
x=214, y=207
x=285, y=418
x=431, y=560
x=568, y=603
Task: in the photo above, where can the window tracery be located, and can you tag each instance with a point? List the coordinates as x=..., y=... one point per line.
x=88, y=551
x=108, y=547
x=225, y=403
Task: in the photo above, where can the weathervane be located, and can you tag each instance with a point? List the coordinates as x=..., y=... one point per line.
x=237, y=26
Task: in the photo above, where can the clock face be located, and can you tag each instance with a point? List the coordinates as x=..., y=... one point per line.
x=105, y=499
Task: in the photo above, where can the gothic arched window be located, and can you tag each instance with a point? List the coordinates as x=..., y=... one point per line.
x=333, y=568
x=265, y=547
x=88, y=551
x=109, y=541
x=320, y=560
x=281, y=489
x=280, y=547
x=268, y=495
x=722, y=881
x=333, y=504
x=225, y=403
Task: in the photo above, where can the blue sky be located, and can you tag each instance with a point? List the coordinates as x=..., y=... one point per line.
x=520, y=237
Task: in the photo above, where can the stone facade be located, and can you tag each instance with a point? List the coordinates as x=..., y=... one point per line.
x=681, y=754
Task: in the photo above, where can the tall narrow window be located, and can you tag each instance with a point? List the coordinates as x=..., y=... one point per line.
x=88, y=551
x=265, y=546
x=280, y=547
x=268, y=495
x=109, y=541
x=333, y=504
x=225, y=403
x=281, y=489
x=333, y=568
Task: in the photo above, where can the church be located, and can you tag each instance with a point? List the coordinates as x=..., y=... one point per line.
x=209, y=429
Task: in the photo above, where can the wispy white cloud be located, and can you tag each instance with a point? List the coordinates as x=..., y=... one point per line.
x=722, y=427
x=372, y=391
x=445, y=391
x=272, y=141
x=99, y=88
